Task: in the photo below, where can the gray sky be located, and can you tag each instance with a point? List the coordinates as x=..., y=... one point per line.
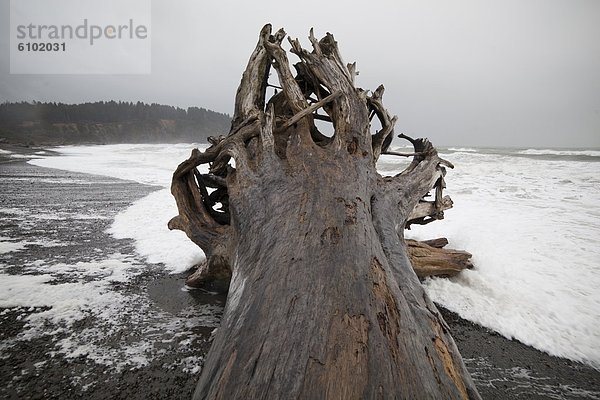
x=463, y=73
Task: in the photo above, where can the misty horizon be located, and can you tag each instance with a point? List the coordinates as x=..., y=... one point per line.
x=499, y=74
x=396, y=142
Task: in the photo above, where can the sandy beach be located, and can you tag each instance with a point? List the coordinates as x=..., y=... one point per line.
x=153, y=334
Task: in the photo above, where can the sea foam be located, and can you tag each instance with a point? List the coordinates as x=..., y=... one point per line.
x=146, y=220
x=531, y=223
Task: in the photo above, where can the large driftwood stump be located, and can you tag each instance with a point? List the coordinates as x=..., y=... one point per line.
x=323, y=302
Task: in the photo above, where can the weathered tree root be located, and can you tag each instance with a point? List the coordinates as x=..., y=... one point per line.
x=323, y=301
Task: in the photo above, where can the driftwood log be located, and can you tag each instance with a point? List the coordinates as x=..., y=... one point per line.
x=429, y=258
x=323, y=302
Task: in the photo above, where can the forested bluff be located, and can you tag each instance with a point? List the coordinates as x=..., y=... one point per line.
x=107, y=123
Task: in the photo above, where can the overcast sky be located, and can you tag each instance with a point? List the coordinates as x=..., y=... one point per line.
x=520, y=73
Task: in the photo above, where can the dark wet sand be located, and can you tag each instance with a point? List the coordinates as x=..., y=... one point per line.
x=508, y=369
x=28, y=370
x=502, y=369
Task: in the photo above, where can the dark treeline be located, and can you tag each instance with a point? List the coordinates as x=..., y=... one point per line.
x=107, y=122
x=101, y=111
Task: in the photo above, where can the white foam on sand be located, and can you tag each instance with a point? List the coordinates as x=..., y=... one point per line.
x=146, y=220
x=49, y=307
x=29, y=218
x=69, y=302
x=533, y=229
x=9, y=246
x=151, y=164
x=84, y=309
x=533, y=226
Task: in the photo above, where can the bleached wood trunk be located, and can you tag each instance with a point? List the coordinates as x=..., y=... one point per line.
x=323, y=301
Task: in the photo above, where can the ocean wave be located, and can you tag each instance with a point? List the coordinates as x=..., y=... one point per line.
x=402, y=149
x=521, y=242
x=463, y=149
x=551, y=152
